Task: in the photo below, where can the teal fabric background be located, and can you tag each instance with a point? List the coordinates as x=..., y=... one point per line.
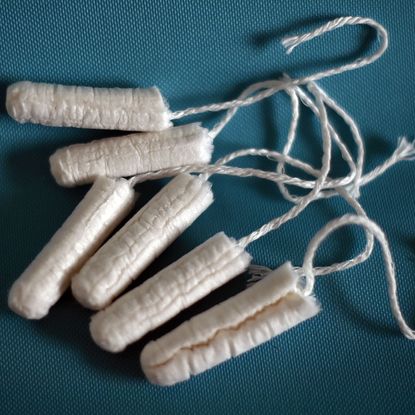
x=349, y=359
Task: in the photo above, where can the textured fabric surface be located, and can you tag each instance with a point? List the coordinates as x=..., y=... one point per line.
x=130, y=109
x=141, y=240
x=230, y=328
x=44, y=281
x=173, y=289
x=351, y=358
x=131, y=154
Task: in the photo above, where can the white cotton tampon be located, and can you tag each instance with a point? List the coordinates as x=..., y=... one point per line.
x=129, y=109
x=142, y=239
x=131, y=154
x=170, y=291
x=47, y=277
x=250, y=318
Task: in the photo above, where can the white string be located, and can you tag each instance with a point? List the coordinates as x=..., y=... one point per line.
x=375, y=230
x=292, y=132
x=334, y=136
x=306, y=200
x=350, y=183
x=405, y=151
x=290, y=43
x=358, y=259
x=338, y=266
x=211, y=169
x=356, y=135
x=245, y=95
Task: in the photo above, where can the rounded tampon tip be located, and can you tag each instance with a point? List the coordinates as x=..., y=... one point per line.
x=14, y=101
x=102, y=336
x=20, y=303
x=58, y=172
x=82, y=293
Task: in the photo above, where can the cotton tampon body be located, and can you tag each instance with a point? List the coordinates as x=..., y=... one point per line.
x=173, y=289
x=131, y=154
x=142, y=239
x=250, y=318
x=47, y=277
x=131, y=316
x=129, y=109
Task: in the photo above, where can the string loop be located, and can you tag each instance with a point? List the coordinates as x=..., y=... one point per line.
x=377, y=232
x=291, y=42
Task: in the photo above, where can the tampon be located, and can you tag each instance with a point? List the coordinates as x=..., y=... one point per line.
x=142, y=239
x=129, y=109
x=47, y=277
x=170, y=291
x=131, y=154
x=250, y=318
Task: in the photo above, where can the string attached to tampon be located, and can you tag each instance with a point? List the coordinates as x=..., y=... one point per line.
x=129, y=317
x=101, y=280
x=290, y=43
x=275, y=303
x=309, y=272
x=153, y=150
x=96, y=289
x=145, y=109
x=278, y=301
x=179, y=214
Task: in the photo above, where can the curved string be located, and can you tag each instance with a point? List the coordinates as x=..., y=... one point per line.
x=356, y=135
x=404, y=151
x=358, y=259
x=292, y=133
x=291, y=43
x=338, y=266
x=377, y=232
x=310, y=197
x=307, y=101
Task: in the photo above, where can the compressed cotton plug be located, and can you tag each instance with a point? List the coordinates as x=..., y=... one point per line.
x=131, y=154
x=244, y=321
x=47, y=277
x=129, y=109
x=142, y=239
x=170, y=291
